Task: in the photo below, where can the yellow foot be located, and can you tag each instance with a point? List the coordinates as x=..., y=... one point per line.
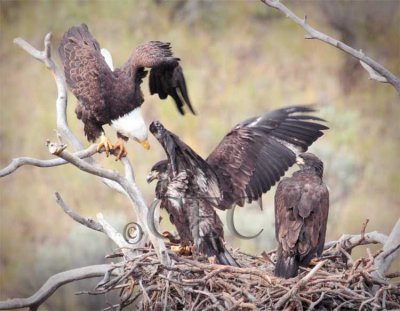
x=121, y=146
x=314, y=261
x=168, y=235
x=104, y=143
x=181, y=250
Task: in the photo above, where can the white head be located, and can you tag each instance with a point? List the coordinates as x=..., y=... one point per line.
x=132, y=126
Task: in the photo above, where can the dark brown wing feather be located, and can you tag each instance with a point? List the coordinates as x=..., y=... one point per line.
x=169, y=80
x=88, y=76
x=166, y=75
x=301, y=214
x=257, y=152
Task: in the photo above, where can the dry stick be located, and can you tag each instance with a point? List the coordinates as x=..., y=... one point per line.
x=51, y=285
x=298, y=286
x=352, y=240
x=375, y=70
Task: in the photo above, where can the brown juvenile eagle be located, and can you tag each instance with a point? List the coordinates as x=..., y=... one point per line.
x=249, y=160
x=114, y=97
x=301, y=214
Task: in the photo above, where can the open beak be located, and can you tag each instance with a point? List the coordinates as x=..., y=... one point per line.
x=299, y=160
x=145, y=144
x=152, y=175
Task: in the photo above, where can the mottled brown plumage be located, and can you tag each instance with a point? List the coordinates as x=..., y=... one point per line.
x=248, y=162
x=105, y=95
x=301, y=214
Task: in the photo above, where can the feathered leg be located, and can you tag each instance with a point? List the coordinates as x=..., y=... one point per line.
x=286, y=266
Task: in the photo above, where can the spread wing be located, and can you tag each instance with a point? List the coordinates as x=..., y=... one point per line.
x=257, y=152
x=86, y=72
x=301, y=213
x=166, y=75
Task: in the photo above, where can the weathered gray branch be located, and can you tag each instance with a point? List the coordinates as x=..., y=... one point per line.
x=51, y=285
x=129, y=187
x=350, y=240
x=125, y=185
x=21, y=161
x=62, y=98
x=87, y=222
x=391, y=250
x=375, y=70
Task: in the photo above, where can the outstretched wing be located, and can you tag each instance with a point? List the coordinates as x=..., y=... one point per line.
x=257, y=152
x=166, y=75
x=86, y=72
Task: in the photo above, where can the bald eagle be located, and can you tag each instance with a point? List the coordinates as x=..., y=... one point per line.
x=301, y=215
x=114, y=97
x=249, y=160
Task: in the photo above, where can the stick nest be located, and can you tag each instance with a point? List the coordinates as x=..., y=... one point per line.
x=334, y=282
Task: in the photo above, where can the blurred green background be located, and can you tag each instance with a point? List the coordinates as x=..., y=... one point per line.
x=240, y=59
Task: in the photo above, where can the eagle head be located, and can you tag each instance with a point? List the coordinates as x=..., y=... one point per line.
x=157, y=129
x=158, y=171
x=310, y=161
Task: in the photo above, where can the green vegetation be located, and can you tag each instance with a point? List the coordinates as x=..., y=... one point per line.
x=240, y=59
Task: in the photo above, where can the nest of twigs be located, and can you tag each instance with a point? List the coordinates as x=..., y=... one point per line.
x=334, y=282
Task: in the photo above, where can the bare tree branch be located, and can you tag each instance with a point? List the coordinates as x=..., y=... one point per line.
x=87, y=222
x=62, y=98
x=391, y=250
x=54, y=282
x=375, y=70
x=113, y=179
x=129, y=188
x=21, y=161
x=349, y=241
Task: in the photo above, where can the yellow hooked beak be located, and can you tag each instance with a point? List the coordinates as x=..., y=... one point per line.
x=145, y=144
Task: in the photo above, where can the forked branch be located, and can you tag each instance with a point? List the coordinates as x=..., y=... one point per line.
x=55, y=281
x=113, y=179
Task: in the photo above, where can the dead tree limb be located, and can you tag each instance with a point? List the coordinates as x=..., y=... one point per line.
x=349, y=241
x=113, y=179
x=375, y=70
x=87, y=222
x=55, y=281
x=21, y=161
x=391, y=250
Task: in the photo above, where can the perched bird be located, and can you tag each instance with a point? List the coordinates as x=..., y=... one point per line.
x=194, y=218
x=301, y=215
x=114, y=97
x=249, y=160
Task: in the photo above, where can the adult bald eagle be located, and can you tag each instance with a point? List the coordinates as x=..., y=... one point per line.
x=301, y=214
x=249, y=160
x=114, y=97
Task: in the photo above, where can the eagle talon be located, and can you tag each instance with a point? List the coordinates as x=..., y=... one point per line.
x=314, y=261
x=106, y=144
x=182, y=250
x=122, y=150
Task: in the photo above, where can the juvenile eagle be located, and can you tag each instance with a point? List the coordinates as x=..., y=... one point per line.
x=301, y=214
x=249, y=160
x=114, y=97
